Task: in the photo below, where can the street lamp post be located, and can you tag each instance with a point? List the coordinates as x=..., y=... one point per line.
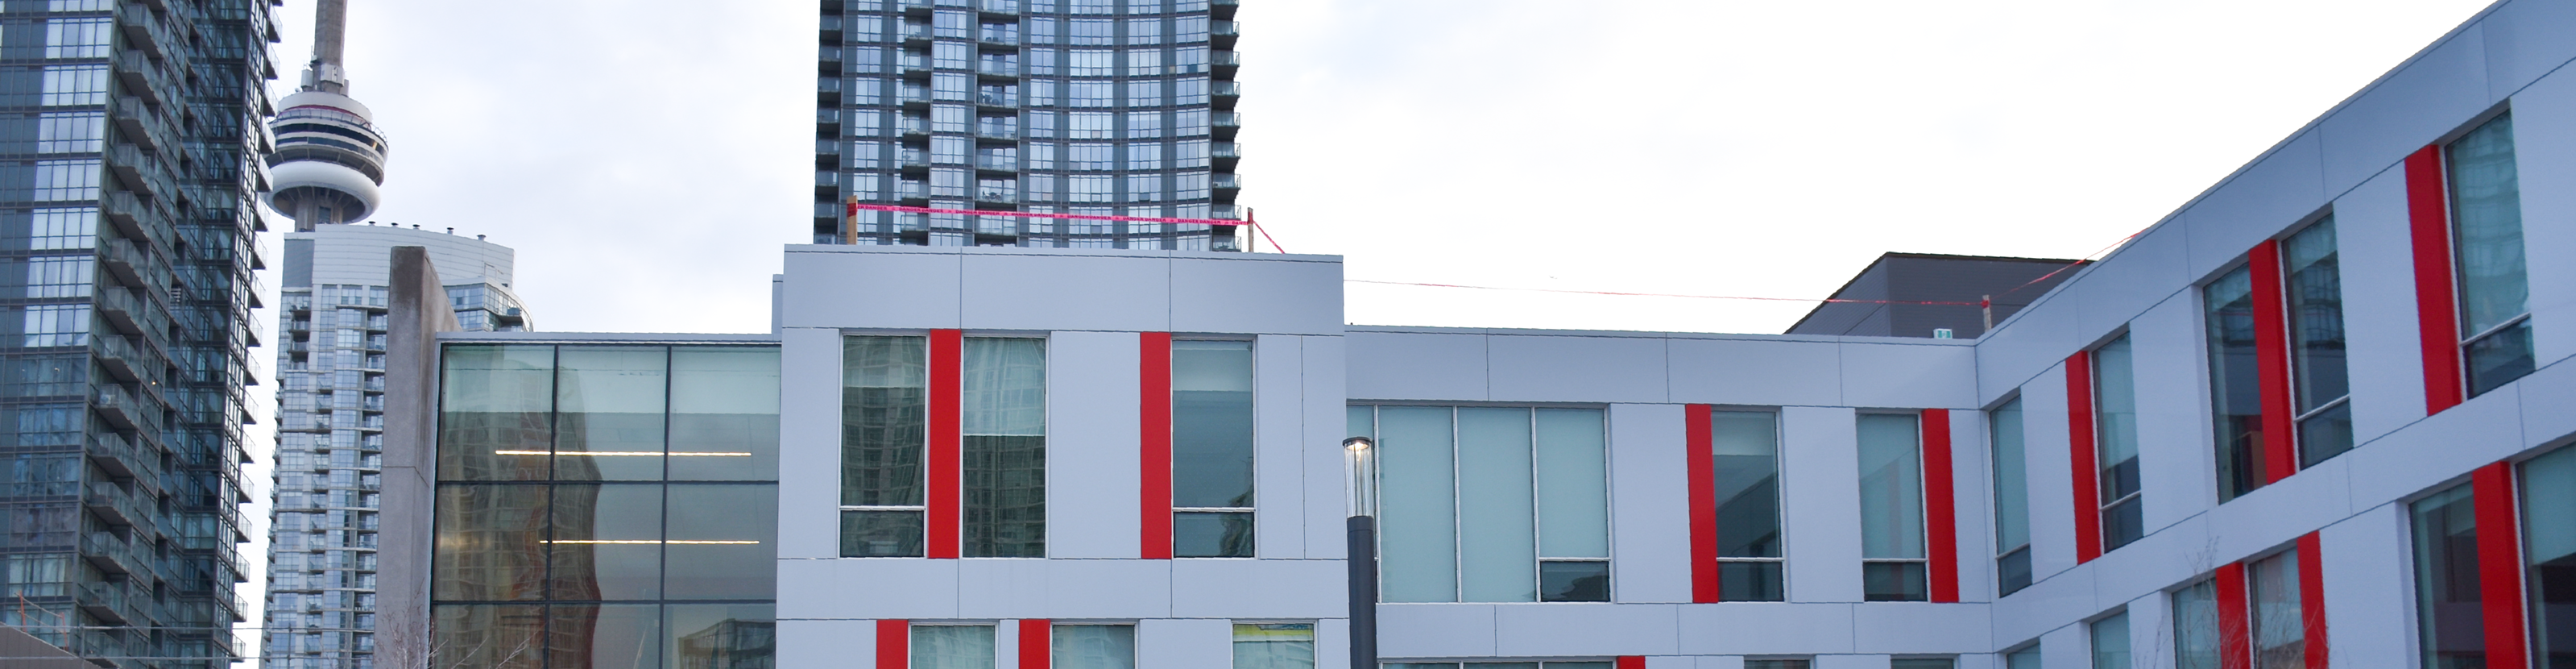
x=1359, y=458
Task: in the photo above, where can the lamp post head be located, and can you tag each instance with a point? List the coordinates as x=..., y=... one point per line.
x=1357, y=444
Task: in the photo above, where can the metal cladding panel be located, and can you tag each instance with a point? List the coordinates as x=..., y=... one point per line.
x=1712, y=662
x=1970, y=461
x=1650, y=524
x=2032, y=342
x=1326, y=423
x=2067, y=646
x=2433, y=94
x=809, y=443
x=1280, y=513
x=2547, y=396
x=2276, y=514
x=1769, y=629
x=355, y=254
x=1758, y=372
x=2440, y=447
x=2256, y=204
x=1260, y=589
x=1908, y=376
x=1092, y=475
x=2146, y=271
x=1416, y=366
x=2365, y=568
x=2173, y=429
x=1820, y=503
x=2045, y=466
x=2175, y=555
x=849, y=290
x=1107, y=589
x=2049, y=603
x=826, y=643
x=1184, y=644
x=1528, y=368
x=1007, y=588
x=2525, y=40
x=2386, y=357
x=1333, y=644
x=1257, y=293
x=1436, y=630
x=2544, y=129
x=1920, y=627
x=873, y=588
x=1046, y=292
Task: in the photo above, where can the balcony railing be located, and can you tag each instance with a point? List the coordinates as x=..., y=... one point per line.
x=998, y=69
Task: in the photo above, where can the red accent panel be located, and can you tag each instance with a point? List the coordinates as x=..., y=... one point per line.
x=2312, y=599
x=1037, y=644
x=1154, y=448
x=1702, y=465
x=894, y=644
x=1632, y=662
x=946, y=452
x=2500, y=567
x=2436, y=313
x=2272, y=363
x=2079, y=451
x=1940, y=506
x=2235, y=634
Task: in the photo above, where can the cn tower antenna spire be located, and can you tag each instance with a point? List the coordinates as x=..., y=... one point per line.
x=331, y=22
x=330, y=157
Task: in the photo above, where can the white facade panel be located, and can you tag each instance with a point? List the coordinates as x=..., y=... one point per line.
x=2133, y=278
x=1973, y=511
x=1920, y=628
x=2381, y=331
x=1563, y=630
x=809, y=444
x=1280, y=446
x=2033, y=340
x=2523, y=42
x=2174, y=449
x=1327, y=423
x=1043, y=293
x=1851, y=662
x=1649, y=531
x=1768, y=629
x=1093, y=475
x=1527, y=368
x=1435, y=630
x=2548, y=405
x=2544, y=130
x=1908, y=376
x=1263, y=589
x=2047, y=464
x=1820, y=503
x=2436, y=93
x=1416, y=366
x=1265, y=293
x=2366, y=568
x=2259, y=202
x=1184, y=644
x=833, y=289
x=1756, y=372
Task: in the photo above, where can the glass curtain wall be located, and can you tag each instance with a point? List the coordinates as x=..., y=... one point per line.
x=1747, y=476
x=1894, y=566
x=2486, y=225
x=2012, y=498
x=2115, y=400
x=2314, y=281
x=2448, y=606
x=2549, y=544
x=606, y=506
x=1490, y=504
x=2235, y=385
x=1212, y=451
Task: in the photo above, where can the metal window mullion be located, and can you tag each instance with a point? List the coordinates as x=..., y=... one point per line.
x=2500, y=327
x=2312, y=413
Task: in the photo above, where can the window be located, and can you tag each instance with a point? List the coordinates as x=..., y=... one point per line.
x=952, y=646
x=946, y=23
x=75, y=85
x=1089, y=125
x=2448, y=602
x=1094, y=646
x=1003, y=402
x=1041, y=93
x=2111, y=642
x=1923, y=663
x=1186, y=29
x=1190, y=186
x=950, y=85
x=1775, y=663
x=2486, y=226
x=2235, y=384
x=1533, y=664
x=1090, y=157
x=1190, y=153
x=66, y=180
x=1144, y=125
x=1087, y=188
x=1190, y=123
x=2024, y=658
x=1089, y=93
x=1040, y=124
x=1459, y=487
x=1144, y=63
x=2012, y=498
x=63, y=228
x=1894, y=565
x=1144, y=156
x=59, y=276
x=948, y=183
x=1144, y=31
x=55, y=325
x=2549, y=544
x=2279, y=625
x=2115, y=416
x=1746, y=471
x=77, y=38
x=2313, y=282
x=1145, y=188
x=948, y=150
x=2196, y=628
x=1145, y=93
x=884, y=403
x=1042, y=31
x=1093, y=32
x=1090, y=63
x=70, y=132
x=1273, y=645
x=1041, y=61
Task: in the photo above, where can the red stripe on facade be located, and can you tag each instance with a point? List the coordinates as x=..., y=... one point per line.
x=2079, y=451
x=894, y=644
x=1037, y=644
x=1632, y=662
x=2235, y=633
x=947, y=451
x=1154, y=447
x=2436, y=312
x=2312, y=600
x=1940, y=506
x=2500, y=590
x=1700, y=461
x=2272, y=362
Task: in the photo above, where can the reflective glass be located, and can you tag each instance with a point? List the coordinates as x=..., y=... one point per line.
x=721, y=636
x=2026, y=658
x=722, y=542
x=2486, y=221
x=1891, y=487
x=2499, y=358
x=2115, y=398
x=2314, y=284
x=2448, y=602
x=2280, y=630
x=2235, y=387
x=608, y=413
x=1922, y=663
x=724, y=414
x=1003, y=404
x=2111, y=642
x=952, y=647
x=490, y=543
x=1746, y=461
x=2012, y=497
x=1418, y=515
x=1894, y=582
x=881, y=534
x=1274, y=646
x=2549, y=543
x=1573, y=485
x=882, y=412
x=1497, y=553
x=1750, y=581
x=1574, y=581
x=1212, y=424
x=606, y=543
x=493, y=408
x=604, y=636
x=1212, y=534
x=2195, y=626
x=1094, y=647
x=1786, y=664
x=487, y=636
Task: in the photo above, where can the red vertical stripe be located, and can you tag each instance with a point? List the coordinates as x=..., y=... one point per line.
x=2312, y=600
x=1154, y=448
x=1632, y=662
x=946, y=453
x=1701, y=463
x=894, y=644
x=1037, y=644
x=1940, y=506
x=2437, y=315
x=2500, y=567
x=2235, y=634
x=2079, y=451
x=2272, y=363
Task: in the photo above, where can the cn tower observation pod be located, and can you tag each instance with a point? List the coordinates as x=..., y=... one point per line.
x=329, y=161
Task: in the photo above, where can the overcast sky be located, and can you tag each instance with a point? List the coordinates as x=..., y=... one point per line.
x=648, y=157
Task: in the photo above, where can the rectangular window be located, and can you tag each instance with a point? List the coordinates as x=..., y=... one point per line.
x=884, y=410
x=1491, y=504
x=1212, y=449
x=1785, y=663
x=2549, y=546
x=2012, y=498
x=2115, y=398
x=1144, y=188
x=1087, y=188
x=2486, y=225
x=2313, y=281
x=1274, y=646
x=2195, y=621
x=2235, y=384
x=1745, y=464
x=2111, y=642
x=1144, y=63
x=1040, y=61
x=66, y=180
x=1188, y=29
x=1089, y=125
x=1090, y=63
x=1090, y=157
x=1144, y=125
x=1042, y=30
x=950, y=118
x=1089, y=94
x=2279, y=623
x=1003, y=405
x=63, y=228
x=2449, y=606
x=77, y=38
x=70, y=132
x=1923, y=663
x=1894, y=564
x=1144, y=31
x=55, y=325
x=1094, y=32
x=74, y=85
x=1093, y=646
x=1145, y=93
x=952, y=647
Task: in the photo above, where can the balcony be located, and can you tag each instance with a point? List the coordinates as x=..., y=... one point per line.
x=1224, y=94
x=998, y=163
x=117, y=405
x=997, y=132
x=1224, y=9
x=142, y=76
x=997, y=68
x=1225, y=124
x=122, y=358
x=831, y=32
x=141, y=124
x=145, y=29
x=1226, y=183
x=109, y=553
x=992, y=99
x=1221, y=35
x=1010, y=38
x=131, y=263
x=912, y=159
x=106, y=600
x=136, y=217
x=827, y=123
x=828, y=60
x=1225, y=154
x=827, y=90
x=997, y=195
x=1226, y=62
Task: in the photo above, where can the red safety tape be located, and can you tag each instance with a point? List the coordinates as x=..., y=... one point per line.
x=1702, y=297
x=855, y=208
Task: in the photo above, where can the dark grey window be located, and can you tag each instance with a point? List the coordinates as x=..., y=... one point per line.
x=1212, y=449
x=2486, y=225
x=2313, y=279
x=2115, y=420
x=1003, y=408
x=2235, y=387
x=2012, y=498
x=1894, y=565
x=884, y=406
x=1746, y=464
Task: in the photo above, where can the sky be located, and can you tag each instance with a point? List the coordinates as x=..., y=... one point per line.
x=647, y=157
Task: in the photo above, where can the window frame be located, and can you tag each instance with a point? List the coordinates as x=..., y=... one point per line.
x=1251, y=513
x=1779, y=501
x=2102, y=431
x=1994, y=474
x=1539, y=559
x=1922, y=507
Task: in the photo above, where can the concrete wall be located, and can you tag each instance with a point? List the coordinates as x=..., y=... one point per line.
x=417, y=312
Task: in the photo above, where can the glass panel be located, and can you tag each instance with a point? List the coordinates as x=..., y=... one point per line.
x=495, y=399
x=2115, y=395
x=2012, y=488
x=1363, y=422
x=721, y=636
x=2280, y=633
x=1274, y=646
x=1212, y=424
x=1417, y=505
x=2499, y=358
x=2447, y=601
x=1573, y=485
x=2014, y=570
x=952, y=647
x=2235, y=387
x=723, y=542
x=1571, y=581
x=1095, y=647
x=490, y=544
x=2027, y=658
x=1891, y=487
x=2486, y=216
x=1922, y=663
x=610, y=636
x=724, y=414
x=487, y=636
x=2195, y=621
x=2111, y=642
x=882, y=411
x=1003, y=397
x=1212, y=534
x=1746, y=464
x=607, y=542
x=1894, y=582
x=608, y=413
x=1750, y=581
x=2315, y=286
x=1497, y=540
x=1783, y=664
x=2325, y=435
x=880, y=534
x=2549, y=542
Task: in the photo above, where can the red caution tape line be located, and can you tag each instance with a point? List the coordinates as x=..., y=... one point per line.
x=1698, y=297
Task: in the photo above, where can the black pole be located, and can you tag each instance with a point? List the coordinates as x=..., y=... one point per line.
x=1363, y=562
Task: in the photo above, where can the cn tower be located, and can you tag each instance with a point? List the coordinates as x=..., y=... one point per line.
x=329, y=158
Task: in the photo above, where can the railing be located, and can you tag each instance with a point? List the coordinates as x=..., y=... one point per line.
x=1227, y=182
x=998, y=163
x=988, y=132
x=1227, y=89
x=136, y=217
x=138, y=120
x=1224, y=150
x=997, y=195
x=830, y=53
x=998, y=38
x=996, y=99
x=1227, y=58
x=141, y=75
